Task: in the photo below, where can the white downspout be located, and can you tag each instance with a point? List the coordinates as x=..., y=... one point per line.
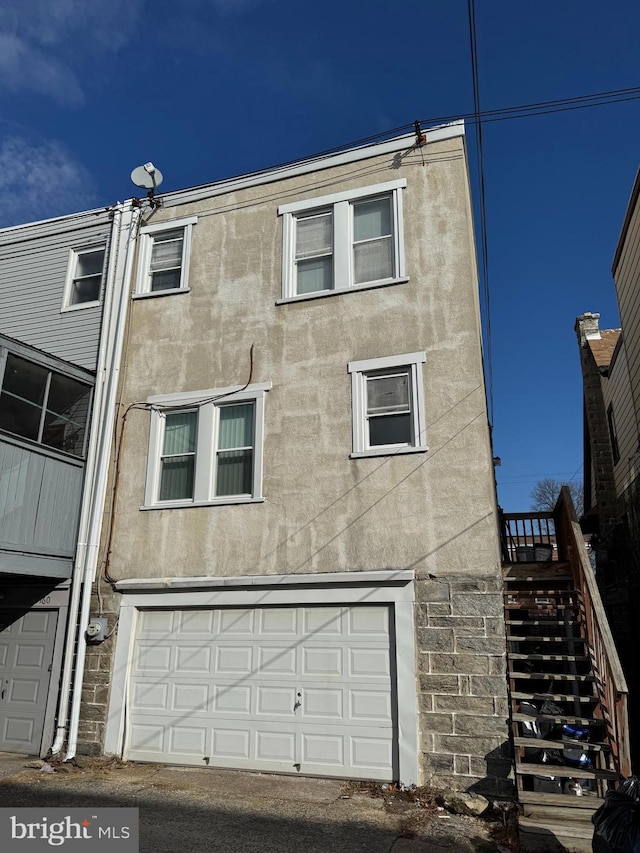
x=116, y=339
x=87, y=491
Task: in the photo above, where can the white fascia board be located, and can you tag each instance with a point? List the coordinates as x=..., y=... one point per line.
x=188, y=398
x=379, y=578
x=315, y=164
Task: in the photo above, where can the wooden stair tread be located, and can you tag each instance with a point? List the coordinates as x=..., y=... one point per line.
x=574, y=830
x=562, y=771
x=547, y=623
x=534, y=638
x=565, y=719
x=588, y=802
x=550, y=676
x=546, y=592
x=540, y=743
x=539, y=604
x=554, y=697
x=536, y=656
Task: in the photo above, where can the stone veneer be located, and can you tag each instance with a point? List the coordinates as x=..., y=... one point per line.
x=462, y=684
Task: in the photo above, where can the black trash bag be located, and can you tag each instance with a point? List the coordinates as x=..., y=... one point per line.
x=617, y=821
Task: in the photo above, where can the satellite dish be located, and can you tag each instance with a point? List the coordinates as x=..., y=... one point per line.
x=147, y=176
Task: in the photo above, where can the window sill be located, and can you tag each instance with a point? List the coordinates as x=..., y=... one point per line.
x=303, y=297
x=217, y=502
x=388, y=451
x=153, y=293
x=95, y=303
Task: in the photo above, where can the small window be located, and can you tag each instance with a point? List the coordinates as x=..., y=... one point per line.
x=163, y=265
x=208, y=452
x=613, y=435
x=44, y=406
x=350, y=240
x=387, y=405
x=84, y=277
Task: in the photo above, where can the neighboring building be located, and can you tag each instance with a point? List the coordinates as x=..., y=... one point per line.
x=53, y=291
x=301, y=561
x=610, y=362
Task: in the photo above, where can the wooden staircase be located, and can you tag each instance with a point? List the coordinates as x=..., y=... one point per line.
x=563, y=757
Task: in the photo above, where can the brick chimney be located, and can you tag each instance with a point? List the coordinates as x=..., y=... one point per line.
x=586, y=327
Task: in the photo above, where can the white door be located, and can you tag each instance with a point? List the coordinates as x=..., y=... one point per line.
x=26, y=653
x=289, y=689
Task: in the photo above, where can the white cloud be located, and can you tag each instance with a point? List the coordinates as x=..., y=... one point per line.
x=39, y=181
x=43, y=42
x=23, y=67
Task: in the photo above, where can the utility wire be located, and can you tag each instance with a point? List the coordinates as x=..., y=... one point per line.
x=484, y=253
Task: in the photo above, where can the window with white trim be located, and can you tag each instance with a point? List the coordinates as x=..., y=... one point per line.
x=163, y=265
x=205, y=447
x=84, y=277
x=387, y=405
x=349, y=240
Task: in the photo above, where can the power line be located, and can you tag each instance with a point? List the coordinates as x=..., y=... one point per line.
x=484, y=252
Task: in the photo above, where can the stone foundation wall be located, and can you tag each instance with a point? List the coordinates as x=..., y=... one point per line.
x=462, y=684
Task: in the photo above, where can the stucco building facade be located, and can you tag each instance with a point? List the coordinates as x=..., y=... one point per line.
x=300, y=557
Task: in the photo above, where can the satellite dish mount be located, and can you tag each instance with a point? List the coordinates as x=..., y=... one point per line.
x=149, y=178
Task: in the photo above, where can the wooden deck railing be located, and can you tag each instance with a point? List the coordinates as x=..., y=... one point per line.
x=610, y=680
x=527, y=536
x=521, y=534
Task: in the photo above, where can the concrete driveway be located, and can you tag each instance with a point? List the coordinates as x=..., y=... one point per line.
x=216, y=811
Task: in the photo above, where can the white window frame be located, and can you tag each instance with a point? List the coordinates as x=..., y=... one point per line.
x=148, y=234
x=341, y=206
x=359, y=371
x=208, y=404
x=72, y=265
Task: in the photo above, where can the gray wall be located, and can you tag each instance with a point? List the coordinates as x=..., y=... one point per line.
x=34, y=260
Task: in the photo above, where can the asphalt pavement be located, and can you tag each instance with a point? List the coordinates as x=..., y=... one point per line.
x=224, y=811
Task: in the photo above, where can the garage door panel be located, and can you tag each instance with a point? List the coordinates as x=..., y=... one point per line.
x=277, y=660
x=232, y=699
x=158, y=622
x=278, y=701
x=150, y=657
x=289, y=689
x=234, y=659
x=277, y=620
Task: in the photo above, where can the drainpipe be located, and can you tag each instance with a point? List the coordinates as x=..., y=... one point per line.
x=116, y=299
x=114, y=347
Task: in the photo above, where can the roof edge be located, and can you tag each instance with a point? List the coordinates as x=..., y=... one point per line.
x=309, y=164
x=635, y=192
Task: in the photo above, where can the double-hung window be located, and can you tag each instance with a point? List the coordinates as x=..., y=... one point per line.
x=163, y=264
x=44, y=406
x=84, y=277
x=205, y=447
x=349, y=240
x=387, y=405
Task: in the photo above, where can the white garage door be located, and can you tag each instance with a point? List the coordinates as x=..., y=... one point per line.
x=26, y=652
x=287, y=689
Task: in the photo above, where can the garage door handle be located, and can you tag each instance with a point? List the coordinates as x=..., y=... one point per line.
x=298, y=702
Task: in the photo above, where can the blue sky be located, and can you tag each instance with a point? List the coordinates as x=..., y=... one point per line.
x=207, y=89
